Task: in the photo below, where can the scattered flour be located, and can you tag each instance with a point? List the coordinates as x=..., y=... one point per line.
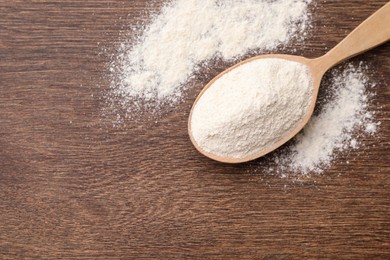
x=251, y=107
x=188, y=33
x=333, y=130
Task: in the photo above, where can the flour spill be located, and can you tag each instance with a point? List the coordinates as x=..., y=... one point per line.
x=338, y=127
x=186, y=34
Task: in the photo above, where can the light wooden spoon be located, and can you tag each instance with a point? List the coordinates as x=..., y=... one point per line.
x=371, y=33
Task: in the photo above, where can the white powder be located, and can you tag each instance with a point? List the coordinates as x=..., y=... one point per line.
x=333, y=130
x=189, y=32
x=252, y=107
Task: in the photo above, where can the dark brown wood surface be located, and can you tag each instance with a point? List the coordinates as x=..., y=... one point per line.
x=74, y=186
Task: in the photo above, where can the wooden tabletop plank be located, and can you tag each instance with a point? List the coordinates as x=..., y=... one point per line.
x=74, y=186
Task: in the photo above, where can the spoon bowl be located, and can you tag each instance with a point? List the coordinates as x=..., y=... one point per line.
x=316, y=75
x=371, y=33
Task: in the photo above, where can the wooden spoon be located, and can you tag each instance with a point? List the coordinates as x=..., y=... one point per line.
x=371, y=33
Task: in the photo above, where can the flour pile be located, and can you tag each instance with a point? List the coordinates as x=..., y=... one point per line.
x=188, y=33
x=252, y=107
x=334, y=129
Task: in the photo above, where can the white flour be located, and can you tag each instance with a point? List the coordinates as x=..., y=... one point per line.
x=189, y=32
x=252, y=107
x=188, y=35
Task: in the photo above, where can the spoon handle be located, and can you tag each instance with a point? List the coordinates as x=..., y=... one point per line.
x=371, y=33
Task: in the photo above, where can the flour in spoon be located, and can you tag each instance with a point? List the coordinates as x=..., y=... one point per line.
x=252, y=107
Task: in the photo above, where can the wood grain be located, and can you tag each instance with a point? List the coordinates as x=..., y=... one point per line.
x=72, y=186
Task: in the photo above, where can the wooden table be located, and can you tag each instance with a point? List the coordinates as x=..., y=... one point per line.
x=74, y=186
